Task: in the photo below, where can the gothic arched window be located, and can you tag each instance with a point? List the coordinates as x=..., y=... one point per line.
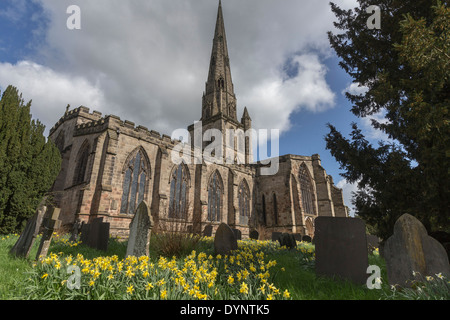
x=264, y=210
x=178, y=193
x=275, y=209
x=81, y=164
x=306, y=190
x=134, y=183
x=244, y=202
x=215, y=197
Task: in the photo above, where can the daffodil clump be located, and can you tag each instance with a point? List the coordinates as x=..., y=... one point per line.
x=244, y=274
x=435, y=287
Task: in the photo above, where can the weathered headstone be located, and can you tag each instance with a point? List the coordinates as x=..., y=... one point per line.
x=341, y=248
x=224, y=240
x=140, y=232
x=410, y=249
x=50, y=224
x=275, y=236
x=297, y=236
x=306, y=239
x=96, y=234
x=207, y=232
x=287, y=240
x=237, y=234
x=254, y=235
x=26, y=240
x=75, y=230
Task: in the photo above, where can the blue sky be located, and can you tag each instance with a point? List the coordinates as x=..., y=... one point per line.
x=147, y=62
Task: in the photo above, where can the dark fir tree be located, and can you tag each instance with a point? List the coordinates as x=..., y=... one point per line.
x=29, y=163
x=405, y=65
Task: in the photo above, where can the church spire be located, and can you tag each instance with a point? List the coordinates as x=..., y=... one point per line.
x=219, y=95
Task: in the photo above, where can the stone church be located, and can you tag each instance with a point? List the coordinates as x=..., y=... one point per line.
x=110, y=165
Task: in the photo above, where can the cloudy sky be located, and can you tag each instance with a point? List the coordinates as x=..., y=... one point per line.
x=147, y=61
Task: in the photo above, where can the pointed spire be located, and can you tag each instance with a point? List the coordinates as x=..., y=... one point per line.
x=246, y=115
x=219, y=94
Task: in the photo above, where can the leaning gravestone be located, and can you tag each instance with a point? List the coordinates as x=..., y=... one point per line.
x=95, y=234
x=26, y=240
x=224, y=240
x=410, y=249
x=341, y=248
x=140, y=232
x=306, y=239
x=50, y=224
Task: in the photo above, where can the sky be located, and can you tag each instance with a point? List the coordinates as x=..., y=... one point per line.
x=147, y=61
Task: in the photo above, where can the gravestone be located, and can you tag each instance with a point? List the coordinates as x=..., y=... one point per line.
x=95, y=234
x=341, y=248
x=26, y=240
x=306, y=239
x=288, y=240
x=254, y=235
x=275, y=236
x=50, y=223
x=207, y=232
x=410, y=249
x=76, y=228
x=237, y=234
x=140, y=232
x=224, y=240
x=297, y=236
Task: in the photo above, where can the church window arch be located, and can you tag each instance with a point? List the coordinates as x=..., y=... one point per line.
x=81, y=164
x=306, y=189
x=275, y=209
x=244, y=201
x=136, y=174
x=215, y=192
x=179, y=185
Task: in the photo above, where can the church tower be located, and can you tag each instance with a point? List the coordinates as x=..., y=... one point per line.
x=219, y=97
x=219, y=101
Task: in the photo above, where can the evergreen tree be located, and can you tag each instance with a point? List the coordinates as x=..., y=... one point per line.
x=28, y=163
x=405, y=66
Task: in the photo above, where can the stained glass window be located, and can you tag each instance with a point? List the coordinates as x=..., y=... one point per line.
x=306, y=190
x=244, y=202
x=215, y=198
x=81, y=165
x=134, y=184
x=178, y=189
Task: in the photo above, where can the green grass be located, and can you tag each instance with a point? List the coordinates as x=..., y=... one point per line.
x=291, y=272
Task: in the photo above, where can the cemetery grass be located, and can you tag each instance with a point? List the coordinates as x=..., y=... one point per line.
x=291, y=271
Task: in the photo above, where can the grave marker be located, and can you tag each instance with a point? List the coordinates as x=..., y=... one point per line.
x=410, y=249
x=96, y=234
x=341, y=248
x=140, y=232
x=26, y=240
x=50, y=224
x=224, y=240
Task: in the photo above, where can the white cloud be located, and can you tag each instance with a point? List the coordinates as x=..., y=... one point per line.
x=347, y=190
x=355, y=88
x=49, y=91
x=147, y=61
x=370, y=132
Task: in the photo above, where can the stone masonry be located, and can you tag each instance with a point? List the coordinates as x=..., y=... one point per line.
x=99, y=174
